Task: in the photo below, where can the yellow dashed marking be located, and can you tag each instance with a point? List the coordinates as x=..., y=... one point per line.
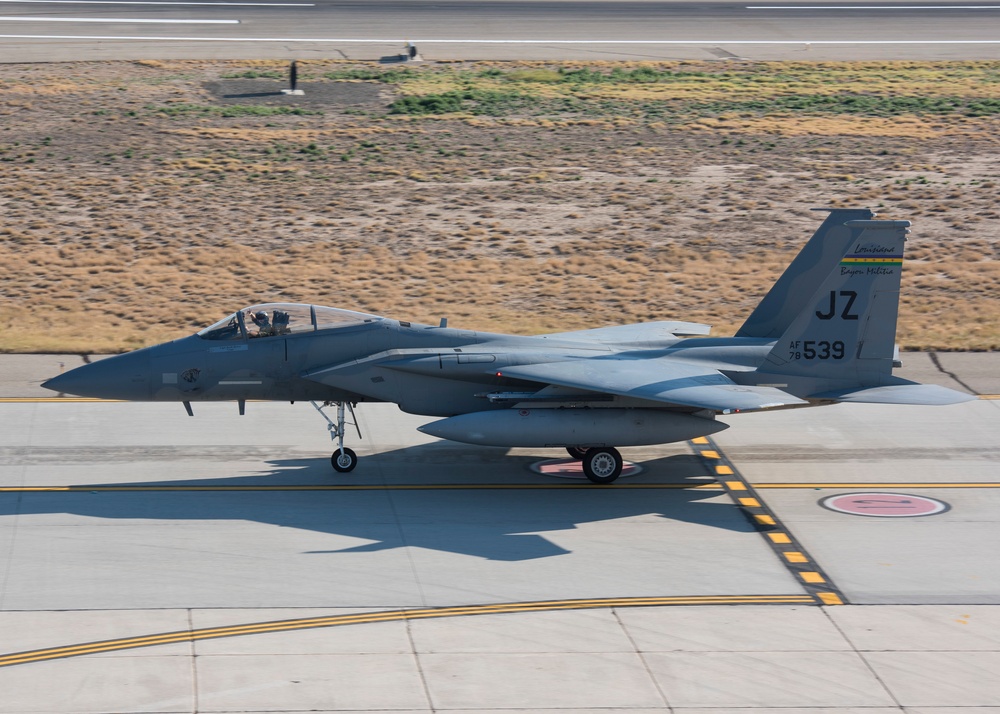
x=700, y=440
x=795, y=559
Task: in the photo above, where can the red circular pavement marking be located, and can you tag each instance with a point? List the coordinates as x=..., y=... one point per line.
x=571, y=468
x=884, y=505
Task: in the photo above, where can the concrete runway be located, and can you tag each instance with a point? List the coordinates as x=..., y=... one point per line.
x=155, y=562
x=69, y=30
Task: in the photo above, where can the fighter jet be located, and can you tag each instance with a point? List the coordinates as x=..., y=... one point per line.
x=824, y=334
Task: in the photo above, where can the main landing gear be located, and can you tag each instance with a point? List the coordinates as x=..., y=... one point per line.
x=602, y=464
x=343, y=459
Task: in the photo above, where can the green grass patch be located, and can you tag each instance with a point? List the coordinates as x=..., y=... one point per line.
x=480, y=102
x=853, y=104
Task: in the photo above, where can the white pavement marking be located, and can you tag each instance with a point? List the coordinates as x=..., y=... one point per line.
x=500, y=42
x=128, y=20
x=159, y=2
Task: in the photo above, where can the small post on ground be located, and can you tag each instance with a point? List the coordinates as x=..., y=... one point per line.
x=293, y=80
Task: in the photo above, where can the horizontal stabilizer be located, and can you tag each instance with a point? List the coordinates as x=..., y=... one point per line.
x=688, y=386
x=911, y=393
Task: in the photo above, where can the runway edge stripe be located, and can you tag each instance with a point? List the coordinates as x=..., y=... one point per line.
x=766, y=522
x=257, y=628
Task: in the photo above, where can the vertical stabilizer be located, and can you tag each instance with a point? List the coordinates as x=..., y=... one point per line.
x=847, y=330
x=811, y=266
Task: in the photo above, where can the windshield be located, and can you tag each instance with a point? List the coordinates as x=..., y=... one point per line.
x=228, y=328
x=273, y=319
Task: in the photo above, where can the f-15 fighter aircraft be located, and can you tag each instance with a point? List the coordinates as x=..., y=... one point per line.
x=824, y=333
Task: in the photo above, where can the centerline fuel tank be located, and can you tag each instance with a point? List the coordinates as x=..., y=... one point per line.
x=572, y=427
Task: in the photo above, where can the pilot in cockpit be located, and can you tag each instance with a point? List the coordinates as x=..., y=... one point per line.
x=263, y=323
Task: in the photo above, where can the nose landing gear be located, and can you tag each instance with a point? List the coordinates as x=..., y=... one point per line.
x=343, y=459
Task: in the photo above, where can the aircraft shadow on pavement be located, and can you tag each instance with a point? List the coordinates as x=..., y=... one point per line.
x=504, y=524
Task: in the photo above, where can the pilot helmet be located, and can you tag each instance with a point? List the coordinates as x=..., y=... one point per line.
x=262, y=315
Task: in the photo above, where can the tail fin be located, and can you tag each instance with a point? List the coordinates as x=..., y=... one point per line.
x=847, y=330
x=798, y=283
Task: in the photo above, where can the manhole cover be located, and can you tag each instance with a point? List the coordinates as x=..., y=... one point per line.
x=884, y=505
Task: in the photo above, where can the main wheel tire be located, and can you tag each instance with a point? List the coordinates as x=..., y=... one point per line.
x=602, y=465
x=344, y=461
x=576, y=452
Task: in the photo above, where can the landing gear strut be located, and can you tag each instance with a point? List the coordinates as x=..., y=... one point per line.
x=602, y=464
x=576, y=452
x=343, y=459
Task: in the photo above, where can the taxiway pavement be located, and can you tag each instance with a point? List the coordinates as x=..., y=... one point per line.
x=63, y=30
x=157, y=562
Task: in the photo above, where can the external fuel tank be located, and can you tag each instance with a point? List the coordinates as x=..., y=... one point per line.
x=572, y=427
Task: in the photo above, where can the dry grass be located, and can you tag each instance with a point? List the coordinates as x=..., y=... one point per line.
x=125, y=224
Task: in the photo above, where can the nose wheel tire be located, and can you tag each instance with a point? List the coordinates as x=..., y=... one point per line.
x=602, y=465
x=576, y=452
x=344, y=461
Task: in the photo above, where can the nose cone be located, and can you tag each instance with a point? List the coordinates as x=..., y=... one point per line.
x=123, y=377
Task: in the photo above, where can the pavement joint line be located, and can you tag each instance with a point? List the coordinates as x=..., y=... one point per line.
x=273, y=626
x=766, y=522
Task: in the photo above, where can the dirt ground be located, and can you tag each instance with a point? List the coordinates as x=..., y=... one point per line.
x=143, y=201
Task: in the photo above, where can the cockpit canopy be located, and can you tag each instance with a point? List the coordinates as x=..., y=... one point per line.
x=276, y=318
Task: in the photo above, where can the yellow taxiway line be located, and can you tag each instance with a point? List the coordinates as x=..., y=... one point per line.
x=256, y=628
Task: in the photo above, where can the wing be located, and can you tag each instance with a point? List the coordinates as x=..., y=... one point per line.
x=656, y=380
